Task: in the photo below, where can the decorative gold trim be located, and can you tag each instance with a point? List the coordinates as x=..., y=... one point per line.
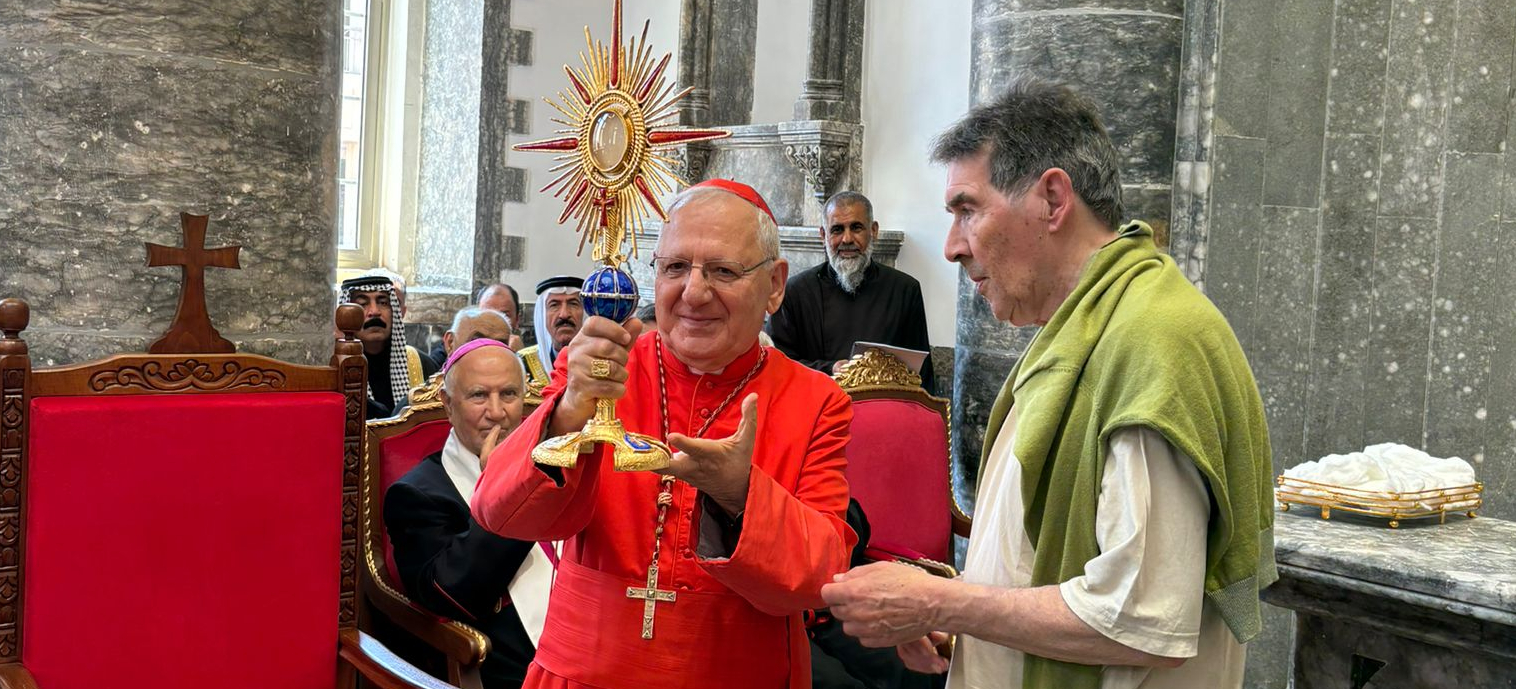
x=430, y=392
x=183, y=375
x=1437, y=502
x=876, y=367
x=537, y=376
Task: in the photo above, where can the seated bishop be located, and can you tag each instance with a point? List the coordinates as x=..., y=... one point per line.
x=695, y=576
x=447, y=562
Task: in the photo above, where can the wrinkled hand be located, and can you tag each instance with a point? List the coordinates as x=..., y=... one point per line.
x=884, y=604
x=921, y=654
x=600, y=338
x=719, y=468
x=490, y=442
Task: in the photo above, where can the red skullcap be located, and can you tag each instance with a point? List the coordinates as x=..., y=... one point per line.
x=747, y=193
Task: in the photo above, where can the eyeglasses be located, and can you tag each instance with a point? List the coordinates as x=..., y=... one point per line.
x=719, y=272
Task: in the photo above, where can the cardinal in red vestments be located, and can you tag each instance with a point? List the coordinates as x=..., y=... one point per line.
x=696, y=576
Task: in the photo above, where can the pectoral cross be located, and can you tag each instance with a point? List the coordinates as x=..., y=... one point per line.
x=650, y=596
x=191, y=331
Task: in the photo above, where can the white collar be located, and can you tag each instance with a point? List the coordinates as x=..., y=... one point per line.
x=462, y=466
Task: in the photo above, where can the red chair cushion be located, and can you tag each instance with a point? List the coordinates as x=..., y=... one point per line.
x=398, y=454
x=897, y=469
x=183, y=541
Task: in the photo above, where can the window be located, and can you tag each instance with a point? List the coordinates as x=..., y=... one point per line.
x=409, y=84
x=350, y=153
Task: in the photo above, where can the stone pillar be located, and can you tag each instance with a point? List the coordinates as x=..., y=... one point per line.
x=114, y=118
x=833, y=80
x=1124, y=54
x=495, y=118
x=717, y=44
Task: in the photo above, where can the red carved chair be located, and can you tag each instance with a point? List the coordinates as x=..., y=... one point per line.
x=394, y=447
x=899, y=462
x=183, y=521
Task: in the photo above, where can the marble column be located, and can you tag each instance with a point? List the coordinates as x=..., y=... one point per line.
x=114, y=118
x=833, y=83
x=1125, y=55
x=495, y=175
x=718, y=40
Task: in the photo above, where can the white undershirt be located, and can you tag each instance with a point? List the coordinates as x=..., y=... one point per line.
x=1144, y=590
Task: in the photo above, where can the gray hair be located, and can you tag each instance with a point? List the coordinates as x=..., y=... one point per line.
x=1034, y=126
x=768, y=231
x=850, y=198
x=468, y=312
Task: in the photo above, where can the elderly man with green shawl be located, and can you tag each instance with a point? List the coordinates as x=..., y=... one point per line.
x=1122, y=528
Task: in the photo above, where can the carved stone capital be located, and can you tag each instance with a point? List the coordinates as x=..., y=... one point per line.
x=823, y=150
x=691, y=161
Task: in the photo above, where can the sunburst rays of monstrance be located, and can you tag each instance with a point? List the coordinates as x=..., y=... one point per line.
x=613, y=164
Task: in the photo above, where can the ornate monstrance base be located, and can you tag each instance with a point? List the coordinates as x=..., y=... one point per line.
x=632, y=451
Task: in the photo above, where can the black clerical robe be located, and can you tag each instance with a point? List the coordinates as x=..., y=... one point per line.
x=381, y=404
x=455, y=568
x=819, y=321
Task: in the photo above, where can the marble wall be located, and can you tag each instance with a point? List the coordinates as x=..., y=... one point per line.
x=1348, y=196
x=449, y=176
x=114, y=118
x=1361, y=200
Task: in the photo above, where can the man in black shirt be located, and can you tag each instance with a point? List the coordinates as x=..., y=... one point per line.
x=850, y=298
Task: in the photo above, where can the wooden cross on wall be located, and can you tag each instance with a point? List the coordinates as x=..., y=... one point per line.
x=191, y=331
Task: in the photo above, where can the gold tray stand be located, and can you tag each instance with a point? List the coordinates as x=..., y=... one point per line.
x=1436, y=502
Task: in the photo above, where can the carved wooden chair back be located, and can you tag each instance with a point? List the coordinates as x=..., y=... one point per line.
x=182, y=520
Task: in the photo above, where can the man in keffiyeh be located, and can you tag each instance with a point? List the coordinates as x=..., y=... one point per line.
x=393, y=367
x=557, y=318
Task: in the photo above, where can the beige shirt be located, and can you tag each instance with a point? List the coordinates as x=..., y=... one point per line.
x=1146, y=589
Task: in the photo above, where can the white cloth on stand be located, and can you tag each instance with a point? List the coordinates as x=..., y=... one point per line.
x=1387, y=467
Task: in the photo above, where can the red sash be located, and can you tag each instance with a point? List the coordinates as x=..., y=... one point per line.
x=703, y=639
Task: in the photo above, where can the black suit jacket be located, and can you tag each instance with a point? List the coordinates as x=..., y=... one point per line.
x=452, y=566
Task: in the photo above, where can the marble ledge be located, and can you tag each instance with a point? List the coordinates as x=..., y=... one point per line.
x=1467, y=563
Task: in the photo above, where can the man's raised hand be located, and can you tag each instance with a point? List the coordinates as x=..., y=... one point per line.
x=719, y=468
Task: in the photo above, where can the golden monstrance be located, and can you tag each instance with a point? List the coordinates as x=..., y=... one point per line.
x=614, y=163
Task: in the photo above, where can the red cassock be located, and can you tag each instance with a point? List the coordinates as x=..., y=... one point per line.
x=735, y=621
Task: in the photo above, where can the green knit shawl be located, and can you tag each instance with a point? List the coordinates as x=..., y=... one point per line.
x=1136, y=344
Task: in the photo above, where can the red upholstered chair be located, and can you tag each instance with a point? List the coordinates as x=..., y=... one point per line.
x=899, y=462
x=394, y=447
x=182, y=521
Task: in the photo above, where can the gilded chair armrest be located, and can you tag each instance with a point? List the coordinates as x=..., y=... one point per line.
x=963, y=524
x=380, y=666
x=16, y=676
x=460, y=643
x=886, y=553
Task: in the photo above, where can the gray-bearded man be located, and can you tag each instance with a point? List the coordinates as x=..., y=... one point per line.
x=850, y=298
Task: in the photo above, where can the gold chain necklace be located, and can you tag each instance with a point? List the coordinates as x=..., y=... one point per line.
x=652, y=595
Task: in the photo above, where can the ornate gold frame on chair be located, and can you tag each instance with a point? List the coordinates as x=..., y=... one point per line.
x=875, y=374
